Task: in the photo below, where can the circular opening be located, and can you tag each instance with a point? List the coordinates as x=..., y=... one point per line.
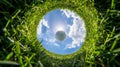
x=61, y=31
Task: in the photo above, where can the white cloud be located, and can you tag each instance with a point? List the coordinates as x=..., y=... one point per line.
x=77, y=30
x=52, y=41
x=69, y=13
x=39, y=28
x=45, y=23
x=66, y=12
x=56, y=44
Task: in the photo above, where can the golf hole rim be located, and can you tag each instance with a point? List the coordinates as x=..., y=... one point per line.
x=84, y=12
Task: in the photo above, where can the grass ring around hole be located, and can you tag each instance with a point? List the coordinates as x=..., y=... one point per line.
x=84, y=9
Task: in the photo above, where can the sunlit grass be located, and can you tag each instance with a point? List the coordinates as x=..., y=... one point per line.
x=19, y=44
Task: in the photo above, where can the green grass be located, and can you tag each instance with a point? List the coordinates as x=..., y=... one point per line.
x=19, y=45
x=34, y=15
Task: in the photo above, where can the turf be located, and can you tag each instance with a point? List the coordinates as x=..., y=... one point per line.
x=20, y=47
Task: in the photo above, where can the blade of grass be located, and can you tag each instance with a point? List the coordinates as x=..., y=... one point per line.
x=73, y=63
x=112, y=4
x=111, y=35
x=113, y=58
x=7, y=2
x=29, y=59
x=7, y=24
x=9, y=62
x=18, y=53
x=106, y=39
x=16, y=13
x=116, y=50
x=11, y=40
x=114, y=43
x=41, y=65
x=116, y=36
x=9, y=56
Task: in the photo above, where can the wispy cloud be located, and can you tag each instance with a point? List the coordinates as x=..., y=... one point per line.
x=77, y=30
x=56, y=44
x=41, y=23
x=69, y=13
x=45, y=23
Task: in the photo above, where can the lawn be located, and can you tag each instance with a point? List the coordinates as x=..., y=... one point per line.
x=19, y=45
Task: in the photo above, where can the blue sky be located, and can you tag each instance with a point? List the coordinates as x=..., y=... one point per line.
x=61, y=20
